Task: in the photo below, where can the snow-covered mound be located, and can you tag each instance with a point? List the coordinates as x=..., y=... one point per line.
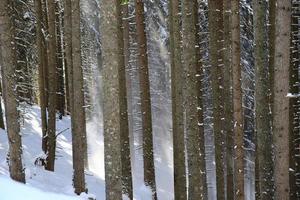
x=11, y=190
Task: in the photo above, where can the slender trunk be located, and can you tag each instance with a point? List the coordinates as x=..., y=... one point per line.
x=124, y=105
x=180, y=188
x=79, y=140
x=237, y=101
x=60, y=96
x=280, y=101
x=112, y=59
x=41, y=63
x=294, y=105
x=262, y=112
x=9, y=61
x=51, y=51
x=45, y=46
x=68, y=51
x=200, y=105
x=228, y=104
x=149, y=168
x=217, y=68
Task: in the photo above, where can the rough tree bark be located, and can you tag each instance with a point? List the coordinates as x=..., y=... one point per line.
x=9, y=80
x=280, y=100
x=180, y=189
x=79, y=140
x=228, y=104
x=215, y=17
x=149, y=169
x=237, y=101
x=295, y=105
x=262, y=111
x=125, y=103
x=51, y=51
x=112, y=59
x=60, y=95
x=41, y=69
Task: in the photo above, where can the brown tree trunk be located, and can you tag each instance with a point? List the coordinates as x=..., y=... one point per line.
x=294, y=105
x=125, y=105
x=215, y=17
x=112, y=48
x=228, y=104
x=264, y=150
x=180, y=188
x=237, y=101
x=79, y=140
x=60, y=95
x=51, y=51
x=149, y=168
x=41, y=69
x=9, y=61
x=280, y=100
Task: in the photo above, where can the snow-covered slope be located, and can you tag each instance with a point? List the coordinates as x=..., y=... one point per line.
x=11, y=190
x=60, y=181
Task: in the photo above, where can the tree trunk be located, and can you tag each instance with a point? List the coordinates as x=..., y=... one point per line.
x=217, y=68
x=45, y=27
x=262, y=111
x=60, y=96
x=51, y=51
x=149, y=169
x=112, y=48
x=228, y=104
x=68, y=51
x=79, y=140
x=41, y=63
x=294, y=106
x=125, y=105
x=280, y=101
x=9, y=61
x=237, y=100
x=180, y=189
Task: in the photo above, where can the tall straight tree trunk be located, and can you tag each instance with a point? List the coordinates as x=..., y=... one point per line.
x=68, y=51
x=200, y=105
x=280, y=101
x=79, y=140
x=228, y=104
x=194, y=127
x=112, y=59
x=215, y=18
x=8, y=67
x=51, y=51
x=237, y=100
x=180, y=189
x=149, y=169
x=125, y=103
x=45, y=27
x=295, y=105
x=60, y=96
x=262, y=111
x=41, y=68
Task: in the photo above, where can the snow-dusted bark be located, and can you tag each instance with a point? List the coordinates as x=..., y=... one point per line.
x=9, y=80
x=280, y=101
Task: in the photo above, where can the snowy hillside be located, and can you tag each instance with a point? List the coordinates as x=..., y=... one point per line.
x=46, y=185
x=11, y=190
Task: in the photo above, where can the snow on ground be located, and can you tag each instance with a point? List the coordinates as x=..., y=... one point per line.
x=40, y=183
x=11, y=190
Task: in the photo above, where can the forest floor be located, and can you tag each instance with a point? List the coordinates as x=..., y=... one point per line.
x=41, y=183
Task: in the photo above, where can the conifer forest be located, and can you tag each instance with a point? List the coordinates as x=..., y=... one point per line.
x=149, y=100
